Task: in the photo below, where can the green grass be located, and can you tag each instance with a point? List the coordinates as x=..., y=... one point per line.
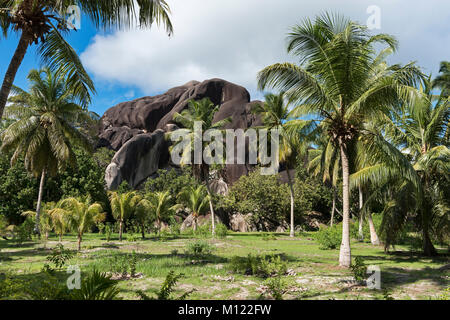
x=405, y=274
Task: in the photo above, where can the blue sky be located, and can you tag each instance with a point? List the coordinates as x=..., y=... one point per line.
x=233, y=40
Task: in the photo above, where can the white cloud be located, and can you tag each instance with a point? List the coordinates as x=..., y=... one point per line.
x=234, y=39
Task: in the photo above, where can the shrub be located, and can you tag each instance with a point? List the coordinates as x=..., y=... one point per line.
x=60, y=256
x=259, y=265
x=268, y=236
x=276, y=287
x=221, y=230
x=198, y=248
x=108, y=231
x=25, y=231
x=359, y=269
x=329, y=237
x=123, y=263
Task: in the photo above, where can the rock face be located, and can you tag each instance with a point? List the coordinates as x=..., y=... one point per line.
x=135, y=129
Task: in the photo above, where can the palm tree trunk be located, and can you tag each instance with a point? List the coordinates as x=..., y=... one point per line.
x=39, y=204
x=120, y=230
x=428, y=248
x=361, y=217
x=291, y=189
x=79, y=242
x=211, y=208
x=345, y=258
x=11, y=72
x=373, y=233
x=143, y=232
x=333, y=209
x=60, y=237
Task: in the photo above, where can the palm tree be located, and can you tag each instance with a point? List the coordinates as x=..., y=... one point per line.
x=44, y=21
x=420, y=130
x=443, y=81
x=44, y=128
x=59, y=219
x=294, y=140
x=338, y=80
x=196, y=200
x=161, y=206
x=325, y=162
x=123, y=206
x=45, y=221
x=81, y=215
x=142, y=214
x=199, y=112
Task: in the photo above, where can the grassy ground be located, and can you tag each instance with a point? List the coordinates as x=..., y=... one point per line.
x=314, y=273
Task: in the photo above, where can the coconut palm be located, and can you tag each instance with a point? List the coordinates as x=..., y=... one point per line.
x=142, y=214
x=325, y=162
x=195, y=199
x=419, y=129
x=338, y=80
x=199, y=112
x=81, y=215
x=294, y=137
x=44, y=128
x=123, y=206
x=44, y=22
x=45, y=221
x=160, y=205
x=59, y=219
x=443, y=81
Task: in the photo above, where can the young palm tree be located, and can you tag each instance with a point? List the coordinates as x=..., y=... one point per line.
x=45, y=221
x=59, y=219
x=44, y=130
x=196, y=200
x=161, y=206
x=142, y=214
x=199, y=112
x=419, y=129
x=338, y=81
x=44, y=21
x=123, y=206
x=294, y=134
x=81, y=215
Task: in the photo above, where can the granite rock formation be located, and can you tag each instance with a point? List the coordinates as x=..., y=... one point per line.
x=135, y=129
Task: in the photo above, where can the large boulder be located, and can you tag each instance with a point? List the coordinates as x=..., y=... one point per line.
x=138, y=159
x=135, y=129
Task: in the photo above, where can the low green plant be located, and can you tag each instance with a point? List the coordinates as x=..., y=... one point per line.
x=133, y=237
x=123, y=264
x=221, y=231
x=259, y=265
x=359, y=269
x=167, y=289
x=60, y=256
x=329, y=238
x=97, y=286
x=268, y=237
x=198, y=249
x=108, y=231
x=24, y=232
x=276, y=287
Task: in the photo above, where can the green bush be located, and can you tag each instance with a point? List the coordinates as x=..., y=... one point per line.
x=198, y=249
x=60, y=256
x=359, y=269
x=276, y=287
x=221, y=231
x=24, y=232
x=259, y=265
x=329, y=238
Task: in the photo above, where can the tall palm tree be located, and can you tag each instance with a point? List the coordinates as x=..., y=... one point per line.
x=420, y=130
x=199, y=112
x=81, y=215
x=325, y=162
x=161, y=206
x=196, y=200
x=44, y=130
x=44, y=22
x=123, y=206
x=294, y=134
x=338, y=81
